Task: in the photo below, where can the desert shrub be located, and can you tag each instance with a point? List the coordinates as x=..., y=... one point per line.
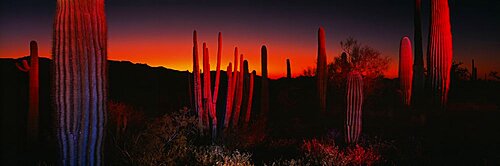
x=327, y=153
x=122, y=115
x=167, y=140
x=217, y=155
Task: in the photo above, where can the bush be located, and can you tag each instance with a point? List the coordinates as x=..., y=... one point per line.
x=320, y=153
x=217, y=155
x=167, y=140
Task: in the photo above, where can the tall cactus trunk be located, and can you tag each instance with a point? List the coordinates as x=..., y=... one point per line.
x=440, y=51
x=230, y=95
x=209, y=112
x=80, y=87
x=473, y=76
x=232, y=89
x=405, y=70
x=354, y=107
x=217, y=72
x=264, y=103
x=418, y=64
x=197, y=82
x=239, y=95
x=33, y=107
x=288, y=69
x=321, y=71
x=250, y=96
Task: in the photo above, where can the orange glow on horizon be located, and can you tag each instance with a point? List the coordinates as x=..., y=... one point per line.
x=175, y=52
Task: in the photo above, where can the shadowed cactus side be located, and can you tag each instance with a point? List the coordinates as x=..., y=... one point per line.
x=33, y=106
x=473, y=76
x=353, y=122
x=80, y=80
x=405, y=70
x=439, y=52
x=418, y=62
x=288, y=69
x=264, y=107
x=321, y=70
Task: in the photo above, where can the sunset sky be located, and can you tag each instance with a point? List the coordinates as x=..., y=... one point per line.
x=159, y=32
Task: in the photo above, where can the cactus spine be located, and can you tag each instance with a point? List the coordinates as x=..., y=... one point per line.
x=80, y=59
x=321, y=71
x=288, y=69
x=33, y=110
x=264, y=83
x=354, y=106
x=418, y=64
x=250, y=96
x=440, y=51
x=405, y=70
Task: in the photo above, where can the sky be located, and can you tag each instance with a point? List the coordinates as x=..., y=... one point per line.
x=159, y=32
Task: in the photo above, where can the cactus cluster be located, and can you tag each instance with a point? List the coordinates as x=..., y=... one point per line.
x=205, y=102
x=405, y=70
x=321, y=70
x=33, y=110
x=354, y=107
x=80, y=85
x=439, y=52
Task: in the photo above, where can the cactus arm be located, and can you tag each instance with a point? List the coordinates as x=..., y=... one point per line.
x=217, y=74
x=250, y=96
x=25, y=67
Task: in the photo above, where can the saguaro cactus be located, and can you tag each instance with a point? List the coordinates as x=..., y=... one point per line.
x=321, y=71
x=264, y=83
x=80, y=59
x=288, y=69
x=440, y=51
x=354, y=107
x=32, y=69
x=250, y=96
x=405, y=70
x=418, y=64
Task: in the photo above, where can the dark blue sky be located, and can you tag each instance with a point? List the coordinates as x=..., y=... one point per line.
x=249, y=23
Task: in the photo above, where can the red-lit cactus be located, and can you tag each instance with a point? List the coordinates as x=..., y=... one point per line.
x=321, y=70
x=197, y=82
x=354, y=107
x=440, y=51
x=405, y=70
x=33, y=111
x=250, y=96
x=80, y=86
x=232, y=86
x=239, y=95
x=288, y=69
